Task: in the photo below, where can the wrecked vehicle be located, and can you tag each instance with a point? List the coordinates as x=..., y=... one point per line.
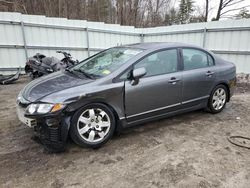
x=40, y=65
x=124, y=86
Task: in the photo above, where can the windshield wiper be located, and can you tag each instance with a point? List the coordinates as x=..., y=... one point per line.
x=90, y=76
x=72, y=72
x=69, y=70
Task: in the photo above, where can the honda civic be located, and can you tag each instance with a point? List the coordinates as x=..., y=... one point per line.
x=124, y=86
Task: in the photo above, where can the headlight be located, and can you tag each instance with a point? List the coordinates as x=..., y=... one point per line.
x=43, y=108
x=32, y=108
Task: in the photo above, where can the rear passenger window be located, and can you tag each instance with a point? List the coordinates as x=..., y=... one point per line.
x=194, y=59
x=210, y=60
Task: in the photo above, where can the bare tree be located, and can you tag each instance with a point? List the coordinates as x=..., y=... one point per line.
x=139, y=13
x=201, y=13
x=225, y=4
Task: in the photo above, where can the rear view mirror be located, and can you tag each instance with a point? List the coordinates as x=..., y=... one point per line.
x=137, y=74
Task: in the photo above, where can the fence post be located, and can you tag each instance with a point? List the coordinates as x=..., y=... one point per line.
x=87, y=36
x=204, y=37
x=24, y=41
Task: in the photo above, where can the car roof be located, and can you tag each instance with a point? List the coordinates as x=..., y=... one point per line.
x=157, y=45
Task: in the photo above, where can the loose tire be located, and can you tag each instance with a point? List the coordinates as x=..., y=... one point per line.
x=218, y=98
x=92, y=125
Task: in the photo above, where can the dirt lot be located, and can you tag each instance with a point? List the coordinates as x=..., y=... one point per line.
x=189, y=150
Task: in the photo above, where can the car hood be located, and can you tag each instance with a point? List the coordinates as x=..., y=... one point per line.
x=55, y=82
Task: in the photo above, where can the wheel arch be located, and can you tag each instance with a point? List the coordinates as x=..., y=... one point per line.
x=114, y=109
x=73, y=130
x=110, y=107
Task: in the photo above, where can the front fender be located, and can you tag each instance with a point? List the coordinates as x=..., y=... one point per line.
x=112, y=95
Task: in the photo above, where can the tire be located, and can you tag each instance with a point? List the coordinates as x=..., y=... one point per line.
x=92, y=125
x=218, y=99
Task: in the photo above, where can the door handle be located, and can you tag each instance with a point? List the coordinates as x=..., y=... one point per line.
x=173, y=80
x=209, y=73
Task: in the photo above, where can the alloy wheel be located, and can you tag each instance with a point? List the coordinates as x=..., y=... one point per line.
x=93, y=125
x=219, y=98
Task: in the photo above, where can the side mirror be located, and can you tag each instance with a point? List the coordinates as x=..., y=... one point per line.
x=137, y=74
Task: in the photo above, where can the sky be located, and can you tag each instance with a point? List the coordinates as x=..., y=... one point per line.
x=214, y=4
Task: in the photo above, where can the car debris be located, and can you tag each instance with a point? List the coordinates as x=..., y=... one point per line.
x=40, y=65
x=4, y=80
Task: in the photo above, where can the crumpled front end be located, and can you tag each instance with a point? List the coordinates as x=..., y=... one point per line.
x=52, y=132
x=50, y=129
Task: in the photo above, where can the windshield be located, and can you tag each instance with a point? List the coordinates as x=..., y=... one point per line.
x=106, y=62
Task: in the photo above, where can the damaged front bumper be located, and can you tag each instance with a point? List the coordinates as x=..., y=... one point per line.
x=51, y=129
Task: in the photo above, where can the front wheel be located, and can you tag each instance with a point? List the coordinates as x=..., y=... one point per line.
x=218, y=99
x=92, y=126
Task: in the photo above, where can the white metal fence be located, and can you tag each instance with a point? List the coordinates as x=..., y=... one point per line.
x=22, y=36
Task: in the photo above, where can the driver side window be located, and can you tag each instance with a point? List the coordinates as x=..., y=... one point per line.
x=162, y=62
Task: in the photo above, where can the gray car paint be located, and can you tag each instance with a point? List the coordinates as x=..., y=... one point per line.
x=141, y=98
x=150, y=98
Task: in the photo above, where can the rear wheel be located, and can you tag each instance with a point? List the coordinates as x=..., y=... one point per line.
x=92, y=126
x=218, y=99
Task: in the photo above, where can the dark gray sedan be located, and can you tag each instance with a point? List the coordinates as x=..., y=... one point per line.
x=124, y=86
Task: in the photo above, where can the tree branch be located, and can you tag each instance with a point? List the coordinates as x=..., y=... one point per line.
x=233, y=10
x=235, y=3
x=24, y=8
x=224, y=4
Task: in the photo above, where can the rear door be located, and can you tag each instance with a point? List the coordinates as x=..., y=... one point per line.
x=199, y=74
x=159, y=91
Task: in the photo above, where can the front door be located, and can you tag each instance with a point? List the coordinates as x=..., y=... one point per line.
x=159, y=91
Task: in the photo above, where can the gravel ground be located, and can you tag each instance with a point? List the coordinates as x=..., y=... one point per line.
x=189, y=150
